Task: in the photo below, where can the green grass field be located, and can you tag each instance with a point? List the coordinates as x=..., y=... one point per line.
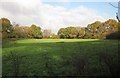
x=59, y=57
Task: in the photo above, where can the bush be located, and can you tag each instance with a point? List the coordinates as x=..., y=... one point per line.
x=114, y=35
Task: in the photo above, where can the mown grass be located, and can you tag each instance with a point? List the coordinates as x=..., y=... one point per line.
x=58, y=57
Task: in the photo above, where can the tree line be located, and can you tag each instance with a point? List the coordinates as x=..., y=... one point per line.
x=16, y=31
x=97, y=30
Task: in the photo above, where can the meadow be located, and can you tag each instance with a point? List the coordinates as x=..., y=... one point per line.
x=60, y=57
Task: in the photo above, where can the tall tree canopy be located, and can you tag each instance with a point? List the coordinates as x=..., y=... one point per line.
x=10, y=31
x=36, y=31
x=96, y=30
x=7, y=27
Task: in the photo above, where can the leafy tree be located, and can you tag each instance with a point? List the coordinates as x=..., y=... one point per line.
x=22, y=32
x=62, y=33
x=36, y=31
x=7, y=28
x=115, y=34
x=27, y=32
x=110, y=26
x=93, y=30
x=54, y=36
x=15, y=31
x=71, y=32
x=101, y=30
x=81, y=32
x=96, y=30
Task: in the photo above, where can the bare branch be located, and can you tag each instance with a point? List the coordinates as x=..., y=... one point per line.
x=113, y=5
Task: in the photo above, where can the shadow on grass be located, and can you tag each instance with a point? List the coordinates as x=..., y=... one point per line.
x=89, y=58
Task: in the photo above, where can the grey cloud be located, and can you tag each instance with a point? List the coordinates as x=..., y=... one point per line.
x=16, y=9
x=11, y=7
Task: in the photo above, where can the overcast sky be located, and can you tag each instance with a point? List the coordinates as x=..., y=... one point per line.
x=55, y=14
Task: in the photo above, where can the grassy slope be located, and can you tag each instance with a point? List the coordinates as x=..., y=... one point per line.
x=59, y=54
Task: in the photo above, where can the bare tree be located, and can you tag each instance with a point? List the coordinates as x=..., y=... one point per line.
x=47, y=33
x=118, y=13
